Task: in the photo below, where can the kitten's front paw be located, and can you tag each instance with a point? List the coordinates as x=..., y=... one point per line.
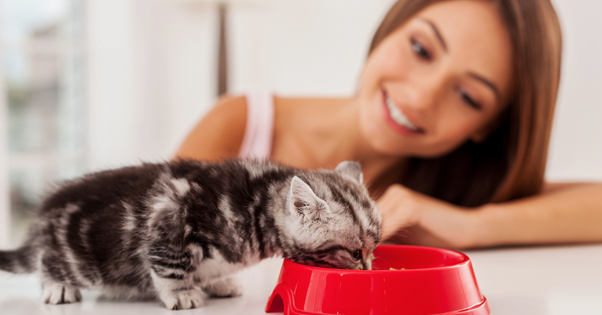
x=56, y=293
x=228, y=287
x=183, y=299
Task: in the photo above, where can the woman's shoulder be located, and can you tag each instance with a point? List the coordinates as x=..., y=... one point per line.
x=220, y=132
x=230, y=109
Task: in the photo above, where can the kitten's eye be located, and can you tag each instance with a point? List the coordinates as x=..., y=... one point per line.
x=420, y=50
x=356, y=254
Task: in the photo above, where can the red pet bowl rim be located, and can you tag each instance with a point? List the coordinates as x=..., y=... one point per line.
x=464, y=257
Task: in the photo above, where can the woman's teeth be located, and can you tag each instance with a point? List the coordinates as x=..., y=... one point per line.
x=398, y=116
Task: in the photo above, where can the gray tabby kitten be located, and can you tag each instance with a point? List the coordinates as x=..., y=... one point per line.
x=173, y=230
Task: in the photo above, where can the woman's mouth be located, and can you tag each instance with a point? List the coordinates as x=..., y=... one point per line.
x=397, y=119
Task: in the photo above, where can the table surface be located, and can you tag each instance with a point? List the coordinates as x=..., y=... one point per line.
x=528, y=280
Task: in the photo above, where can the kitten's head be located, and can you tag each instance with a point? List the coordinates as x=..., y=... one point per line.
x=330, y=220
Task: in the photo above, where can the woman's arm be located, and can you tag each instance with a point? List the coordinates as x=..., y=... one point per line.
x=219, y=134
x=563, y=213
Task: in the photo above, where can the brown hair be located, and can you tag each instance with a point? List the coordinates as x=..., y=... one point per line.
x=511, y=162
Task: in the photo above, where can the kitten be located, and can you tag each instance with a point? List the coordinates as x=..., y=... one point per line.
x=173, y=230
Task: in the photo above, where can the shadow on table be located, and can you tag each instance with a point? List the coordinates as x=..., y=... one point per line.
x=34, y=306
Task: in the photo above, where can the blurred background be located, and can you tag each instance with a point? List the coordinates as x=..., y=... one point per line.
x=93, y=84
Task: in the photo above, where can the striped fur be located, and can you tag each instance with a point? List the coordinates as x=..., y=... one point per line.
x=177, y=230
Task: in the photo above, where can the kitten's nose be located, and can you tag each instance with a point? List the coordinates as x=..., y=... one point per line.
x=365, y=266
x=361, y=265
x=368, y=264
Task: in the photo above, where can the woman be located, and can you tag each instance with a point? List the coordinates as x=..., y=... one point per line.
x=451, y=123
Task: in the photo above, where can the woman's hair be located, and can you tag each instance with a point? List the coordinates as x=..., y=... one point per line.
x=511, y=162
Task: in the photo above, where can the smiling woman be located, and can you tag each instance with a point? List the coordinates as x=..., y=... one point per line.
x=451, y=122
x=501, y=91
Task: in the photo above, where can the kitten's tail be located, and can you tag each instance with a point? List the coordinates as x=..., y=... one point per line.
x=18, y=261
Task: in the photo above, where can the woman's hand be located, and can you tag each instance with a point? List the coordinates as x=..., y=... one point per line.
x=398, y=209
x=414, y=218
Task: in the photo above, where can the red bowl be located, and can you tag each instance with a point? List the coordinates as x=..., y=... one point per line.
x=433, y=281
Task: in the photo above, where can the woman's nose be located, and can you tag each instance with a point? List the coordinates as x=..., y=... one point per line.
x=421, y=94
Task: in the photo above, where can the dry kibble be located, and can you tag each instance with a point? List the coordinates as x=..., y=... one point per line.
x=396, y=269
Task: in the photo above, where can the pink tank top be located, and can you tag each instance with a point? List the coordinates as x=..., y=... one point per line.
x=257, y=141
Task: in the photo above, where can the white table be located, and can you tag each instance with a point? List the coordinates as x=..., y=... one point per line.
x=516, y=281
x=563, y=280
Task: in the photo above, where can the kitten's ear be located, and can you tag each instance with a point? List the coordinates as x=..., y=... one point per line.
x=350, y=168
x=305, y=202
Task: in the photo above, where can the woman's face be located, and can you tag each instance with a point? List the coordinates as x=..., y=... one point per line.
x=437, y=81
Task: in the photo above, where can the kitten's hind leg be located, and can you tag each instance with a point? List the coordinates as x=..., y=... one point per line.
x=59, y=293
x=228, y=287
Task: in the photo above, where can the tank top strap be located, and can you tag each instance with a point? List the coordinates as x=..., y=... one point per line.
x=257, y=141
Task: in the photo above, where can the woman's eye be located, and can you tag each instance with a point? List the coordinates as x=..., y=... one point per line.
x=469, y=100
x=420, y=50
x=357, y=254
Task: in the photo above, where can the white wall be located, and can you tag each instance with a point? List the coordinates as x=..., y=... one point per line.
x=576, y=147
x=150, y=77
x=110, y=80
x=310, y=47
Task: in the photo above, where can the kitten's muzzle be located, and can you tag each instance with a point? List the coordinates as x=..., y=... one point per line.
x=366, y=264
x=362, y=265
